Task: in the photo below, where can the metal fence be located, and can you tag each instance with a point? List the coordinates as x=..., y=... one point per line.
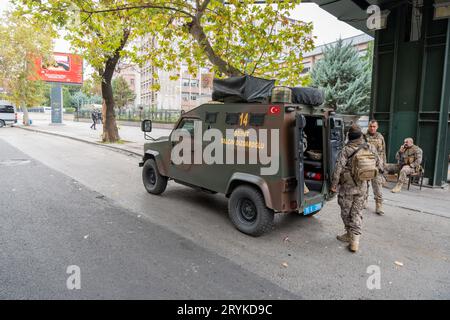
x=161, y=116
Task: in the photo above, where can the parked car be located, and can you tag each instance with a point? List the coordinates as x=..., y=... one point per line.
x=8, y=114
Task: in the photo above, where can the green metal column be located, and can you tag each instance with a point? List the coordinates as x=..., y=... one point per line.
x=443, y=147
x=411, y=87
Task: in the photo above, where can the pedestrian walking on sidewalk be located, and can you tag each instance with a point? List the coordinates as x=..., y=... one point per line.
x=94, y=120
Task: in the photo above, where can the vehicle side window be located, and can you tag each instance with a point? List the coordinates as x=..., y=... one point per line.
x=232, y=118
x=257, y=119
x=6, y=109
x=10, y=109
x=211, y=117
x=187, y=124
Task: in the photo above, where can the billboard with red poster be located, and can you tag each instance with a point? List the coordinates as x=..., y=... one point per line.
x=63, y=68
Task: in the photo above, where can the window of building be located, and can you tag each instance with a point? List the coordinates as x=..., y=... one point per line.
x=305, y=70
x=194, y=97
x=194, y=83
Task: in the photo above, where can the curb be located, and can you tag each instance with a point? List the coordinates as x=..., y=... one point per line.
x=113, y=148
x=156, y=125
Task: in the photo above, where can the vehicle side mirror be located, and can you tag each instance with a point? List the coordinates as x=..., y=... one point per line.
x=335, y=123
x=146, y=126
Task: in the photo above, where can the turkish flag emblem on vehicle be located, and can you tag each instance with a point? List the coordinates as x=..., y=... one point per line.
x=274, y=109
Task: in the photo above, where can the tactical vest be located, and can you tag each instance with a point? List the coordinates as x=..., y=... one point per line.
x=410, y=155
x=377, y=141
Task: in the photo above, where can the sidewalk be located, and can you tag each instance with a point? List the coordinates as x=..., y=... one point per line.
x=435, y=201
x=429, y=201
x=132, y=136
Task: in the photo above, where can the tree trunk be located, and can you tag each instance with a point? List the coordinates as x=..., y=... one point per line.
x=110, y=131
x=197, y=32
x=26, y=116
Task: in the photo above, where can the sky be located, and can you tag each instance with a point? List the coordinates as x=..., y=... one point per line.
x=327, y=28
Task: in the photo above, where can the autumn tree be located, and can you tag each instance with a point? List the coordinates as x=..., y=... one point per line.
x=234, y=37
x=101, y=38
x=92, y=87
x=21, y=40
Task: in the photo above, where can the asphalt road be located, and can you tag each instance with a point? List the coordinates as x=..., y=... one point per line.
x=123, y=251
x=50, y=222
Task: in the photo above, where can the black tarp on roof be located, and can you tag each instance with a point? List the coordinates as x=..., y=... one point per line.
x=309, y=96
x=242, y=89
x=251, y=89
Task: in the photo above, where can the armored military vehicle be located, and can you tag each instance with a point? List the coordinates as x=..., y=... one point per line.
x=301, y=181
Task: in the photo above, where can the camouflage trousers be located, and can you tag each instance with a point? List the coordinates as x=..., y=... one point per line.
x=352, y=206
x=403, y=173
x=377, y=187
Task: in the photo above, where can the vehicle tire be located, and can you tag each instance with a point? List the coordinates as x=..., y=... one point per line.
x=154, y=182
x=2, y=123
x=248, y=212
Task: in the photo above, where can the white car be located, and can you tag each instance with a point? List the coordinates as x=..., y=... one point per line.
x=8, y=115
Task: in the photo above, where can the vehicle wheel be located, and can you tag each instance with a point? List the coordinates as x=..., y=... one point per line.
x=153, y=182
x=2, y=123
x=248, y=212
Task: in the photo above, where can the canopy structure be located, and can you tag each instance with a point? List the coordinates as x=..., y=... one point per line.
x=354, y=12
x=411, y=74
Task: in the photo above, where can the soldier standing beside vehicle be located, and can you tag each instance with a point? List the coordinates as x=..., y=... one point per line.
x=409, y=160
x=357, y=163
x=377, y=140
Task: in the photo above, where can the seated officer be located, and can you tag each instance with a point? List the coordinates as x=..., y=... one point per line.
x=409, y=159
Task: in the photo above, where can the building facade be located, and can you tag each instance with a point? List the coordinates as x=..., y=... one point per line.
x=177, y=89
x=132, y=75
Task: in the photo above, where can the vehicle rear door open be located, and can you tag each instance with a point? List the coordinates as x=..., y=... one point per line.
x=300, y=123
x=335, y=144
